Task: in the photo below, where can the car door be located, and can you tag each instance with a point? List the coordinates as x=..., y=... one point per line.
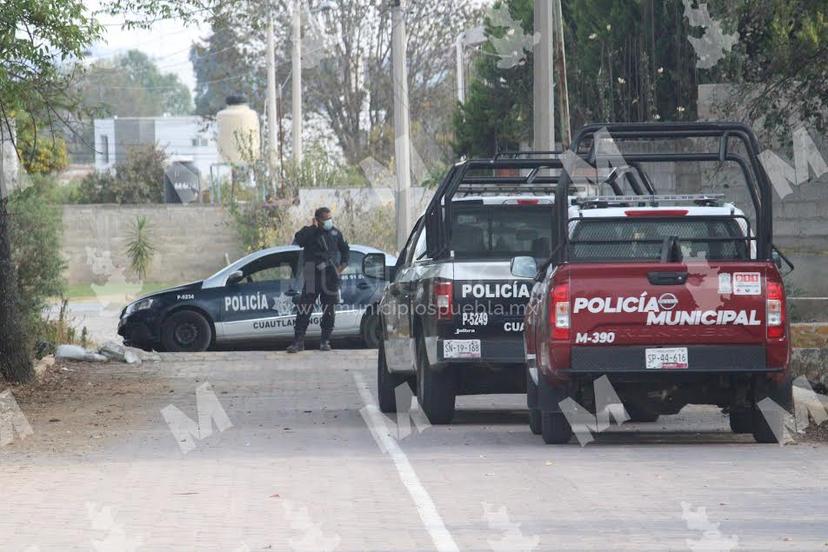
x=397, y=307
x=357, y=293
x=260, y=306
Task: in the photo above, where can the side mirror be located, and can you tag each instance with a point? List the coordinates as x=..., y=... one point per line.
x=235, y=277
x=779, y=259
x=373, y=266
x=524, y=267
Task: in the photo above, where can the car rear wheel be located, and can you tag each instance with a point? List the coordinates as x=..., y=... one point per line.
x=186, y=332
x=555, y=428
x=386, y=383
x=436, y=390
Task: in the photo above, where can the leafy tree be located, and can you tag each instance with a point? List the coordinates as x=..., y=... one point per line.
x=628, y=60
x=32, y=81
x=780, y=64
x=132, y=85
x=497, y=113
x=225, y=65
x=40, y=149
x=138, y=179
x=346, y=67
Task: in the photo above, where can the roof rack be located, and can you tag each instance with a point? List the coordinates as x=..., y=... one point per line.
x=712, y=200
x=527, y=153
x=467, y=189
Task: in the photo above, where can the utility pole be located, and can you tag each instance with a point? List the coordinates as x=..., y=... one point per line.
x=272, y=110
x=470, y=37
x=279, y=115
x=560, y=65
x=296, y=80
x=544, y=86
x=461, y=78
x=402, y=150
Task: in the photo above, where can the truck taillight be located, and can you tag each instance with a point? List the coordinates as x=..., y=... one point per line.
x=559, y=312
x=442, y=298
x=776, y=310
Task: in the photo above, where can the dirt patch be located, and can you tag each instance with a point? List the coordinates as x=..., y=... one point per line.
x=814, y=434
x=77, y=407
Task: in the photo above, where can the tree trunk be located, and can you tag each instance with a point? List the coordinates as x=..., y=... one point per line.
x=15, y=361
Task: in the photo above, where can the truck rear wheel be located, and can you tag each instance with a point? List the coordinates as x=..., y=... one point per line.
x=640, y=413
x=741, y=421
x=535, y=424
x=532, y=401
x=770, y=423
x=386, y=383
x=555, y=428
x=436, y=390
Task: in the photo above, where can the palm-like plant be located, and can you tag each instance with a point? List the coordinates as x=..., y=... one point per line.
x=140, y=249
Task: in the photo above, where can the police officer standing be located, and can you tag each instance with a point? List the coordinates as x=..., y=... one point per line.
x=325, y=257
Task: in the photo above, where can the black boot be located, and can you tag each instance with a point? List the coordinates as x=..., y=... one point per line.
x=297, y=346
x=324, y=345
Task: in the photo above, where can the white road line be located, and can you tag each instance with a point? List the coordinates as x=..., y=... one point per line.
x=375, y=420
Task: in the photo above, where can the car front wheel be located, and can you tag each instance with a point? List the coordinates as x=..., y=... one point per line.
x=186, y=332
x=370, y=330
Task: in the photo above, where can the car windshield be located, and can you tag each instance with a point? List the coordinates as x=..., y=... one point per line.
x=643, y=239
x=502, y=231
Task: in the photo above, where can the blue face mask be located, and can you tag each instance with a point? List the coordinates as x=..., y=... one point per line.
x=327, y=225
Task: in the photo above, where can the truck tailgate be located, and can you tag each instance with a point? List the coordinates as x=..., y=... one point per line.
x=489, y=299
x=704, y=303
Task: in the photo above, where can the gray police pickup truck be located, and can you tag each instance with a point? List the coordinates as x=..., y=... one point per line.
x=452, y=315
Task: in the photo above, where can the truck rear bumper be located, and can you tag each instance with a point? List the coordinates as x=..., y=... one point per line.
x=701, y=358
x=505, y=350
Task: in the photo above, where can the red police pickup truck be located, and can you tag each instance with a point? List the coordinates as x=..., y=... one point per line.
x=674, y=298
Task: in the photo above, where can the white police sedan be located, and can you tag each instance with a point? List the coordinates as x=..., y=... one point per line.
x=251, y=303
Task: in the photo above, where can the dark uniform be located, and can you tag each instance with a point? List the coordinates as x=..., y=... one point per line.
x=324, y=250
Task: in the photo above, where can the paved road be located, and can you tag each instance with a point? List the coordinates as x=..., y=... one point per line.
x=309, y=464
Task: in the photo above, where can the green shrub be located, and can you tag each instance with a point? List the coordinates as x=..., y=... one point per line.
x=138, y=179
x=320, y=170
x=36, y=230
x=260, y=226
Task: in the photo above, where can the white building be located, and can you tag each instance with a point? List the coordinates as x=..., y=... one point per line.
x=183, y=138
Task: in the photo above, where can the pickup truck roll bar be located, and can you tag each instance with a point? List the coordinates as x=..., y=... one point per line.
x=757, y=181
x=511, y=173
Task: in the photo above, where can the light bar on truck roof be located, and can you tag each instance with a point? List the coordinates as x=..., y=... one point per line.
x=653, y=200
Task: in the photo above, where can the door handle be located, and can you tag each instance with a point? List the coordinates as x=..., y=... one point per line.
x=291, y=292
x=666, y=278
x=363, y=285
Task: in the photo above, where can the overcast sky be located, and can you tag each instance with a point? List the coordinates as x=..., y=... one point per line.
x=167, y=43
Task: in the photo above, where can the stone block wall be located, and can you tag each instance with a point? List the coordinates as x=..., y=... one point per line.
x=191, y=241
